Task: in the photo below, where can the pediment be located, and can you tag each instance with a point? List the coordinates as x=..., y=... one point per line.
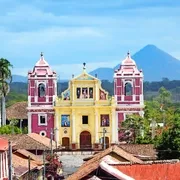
x=85, y=76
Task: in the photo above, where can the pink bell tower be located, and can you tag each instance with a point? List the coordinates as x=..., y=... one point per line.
x=42, y=90
x=128, y=89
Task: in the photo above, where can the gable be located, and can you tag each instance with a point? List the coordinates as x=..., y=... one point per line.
x=85, y=76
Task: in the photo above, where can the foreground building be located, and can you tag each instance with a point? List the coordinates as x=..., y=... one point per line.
x=3, y=159
x=85, y=114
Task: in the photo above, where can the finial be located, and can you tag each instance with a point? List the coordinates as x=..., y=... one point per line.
x=128, y=53
x=41, y=54
x=72, y=75
x=84, y=64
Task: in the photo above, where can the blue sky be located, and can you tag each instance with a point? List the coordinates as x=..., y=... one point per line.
x=98, y=32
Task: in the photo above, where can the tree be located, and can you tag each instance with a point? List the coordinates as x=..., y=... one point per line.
x=168, y=144
x=135, y=129
x=54, y=166
x=164, y=96
x=5, y=79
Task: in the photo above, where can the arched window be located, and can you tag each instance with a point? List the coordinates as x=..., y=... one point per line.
x=128, y=89
x=41, y=90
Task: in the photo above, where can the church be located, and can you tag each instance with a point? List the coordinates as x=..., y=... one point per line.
x=84, y=116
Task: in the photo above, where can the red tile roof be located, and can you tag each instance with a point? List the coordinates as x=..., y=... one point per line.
x=93, y=163
x=159, y=170
x=20, y=165
x=30, y=141
x=3, y=144
x=17, y=111
x=26, y=154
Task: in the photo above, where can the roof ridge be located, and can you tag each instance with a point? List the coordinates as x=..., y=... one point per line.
x=38, y=141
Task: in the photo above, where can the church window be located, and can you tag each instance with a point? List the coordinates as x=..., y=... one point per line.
x=42, y=133
x=104, y=120
x=84, y=119
x=84, y=93
x=42, y=120
x=90, y=93
x=128, y=89
x=41, y=90
x=78, y=93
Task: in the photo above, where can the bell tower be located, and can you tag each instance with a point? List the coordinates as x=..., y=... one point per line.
x=42, y=90
x=128, y=89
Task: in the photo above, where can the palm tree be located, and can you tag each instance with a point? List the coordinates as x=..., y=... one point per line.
x=5, y=79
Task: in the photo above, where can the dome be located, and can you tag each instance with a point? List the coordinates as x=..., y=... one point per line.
x=128, y=60
x=42, y=61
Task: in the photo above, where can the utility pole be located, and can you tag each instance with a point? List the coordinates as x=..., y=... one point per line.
x=10, y=160
x=21, y=120
x=29, y=167
x=51, y=141
x=104, y=138
x=153, y=128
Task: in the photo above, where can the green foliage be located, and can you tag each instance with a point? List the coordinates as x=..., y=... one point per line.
x=164, y=96
x=168, y=144
x=9, y=129
x=25, y=130
x=5, y=76
x=140, y=127
x=14, y=97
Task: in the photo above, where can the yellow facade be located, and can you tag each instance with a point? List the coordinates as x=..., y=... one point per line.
x=83, y=112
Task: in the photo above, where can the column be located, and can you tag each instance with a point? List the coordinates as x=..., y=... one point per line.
x=117, y=126
x=96, y=127
x=4, y=164
x=73, y=91
x=56, y=119
x=29, y=100
x=142, y=93
x=54, y=85
x=36, y=91
x=73, y=127
x=96, y=86
x=29, y=122
x=114, y=129
x=7, y=169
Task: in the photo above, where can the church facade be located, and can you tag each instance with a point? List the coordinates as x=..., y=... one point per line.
x=84, y=116
x=83, y=113
x=42, y=90
x=128, y=90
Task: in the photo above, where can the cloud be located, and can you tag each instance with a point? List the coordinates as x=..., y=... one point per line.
x=69, y=31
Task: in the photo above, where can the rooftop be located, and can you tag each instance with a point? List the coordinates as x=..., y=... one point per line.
x=17, y=111
x=30, y=141
x=93, y=163
x=3, y=144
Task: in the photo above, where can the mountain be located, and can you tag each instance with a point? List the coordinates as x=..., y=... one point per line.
x=18, y=78
x=103, y=73
x=155, y=63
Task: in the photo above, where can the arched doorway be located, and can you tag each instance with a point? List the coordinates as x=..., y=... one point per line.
x=65, y=142
x=85, y=140
x=128, y=89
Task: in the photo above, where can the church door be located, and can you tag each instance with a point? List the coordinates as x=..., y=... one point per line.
x=65, y=142
x=85, y=140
